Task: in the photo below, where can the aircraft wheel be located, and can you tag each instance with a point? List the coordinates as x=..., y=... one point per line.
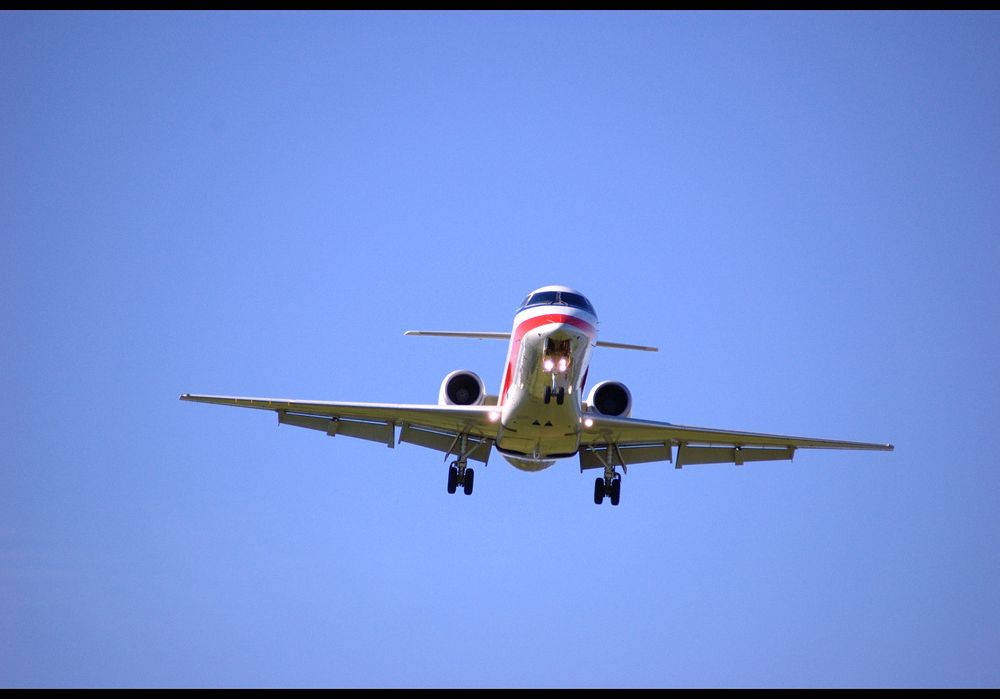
x=452, y=480
x=616, y=491
x=561, y=396
x=548, y=394
x=470, y=475
x=598, y=491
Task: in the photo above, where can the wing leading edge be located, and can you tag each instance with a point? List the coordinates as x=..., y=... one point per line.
x=440, y=427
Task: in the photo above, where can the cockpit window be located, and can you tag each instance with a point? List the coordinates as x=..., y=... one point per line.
x=556, y=298
x=577, y=301
x=543, y=298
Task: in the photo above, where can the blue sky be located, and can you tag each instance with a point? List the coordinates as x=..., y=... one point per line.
x=801, y=210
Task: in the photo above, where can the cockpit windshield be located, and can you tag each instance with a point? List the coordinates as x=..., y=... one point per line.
x=576, y=301
x=558, y=298
x=543, y=298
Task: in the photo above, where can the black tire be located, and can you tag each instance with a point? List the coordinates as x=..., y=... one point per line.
x=598, y=491
x=452, y=480
x=561, y=396
x=548, y=394
x=470, y=475
x=616, y=491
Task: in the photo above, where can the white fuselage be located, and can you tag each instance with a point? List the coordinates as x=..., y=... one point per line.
x=550, y=349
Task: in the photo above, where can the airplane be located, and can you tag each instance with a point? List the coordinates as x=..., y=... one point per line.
x=539, y=415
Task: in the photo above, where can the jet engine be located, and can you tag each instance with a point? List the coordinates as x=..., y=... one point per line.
x=610, y=398
x=462, y=387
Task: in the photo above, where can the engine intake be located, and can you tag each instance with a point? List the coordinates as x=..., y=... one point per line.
x=611, y=398
x=462, y=387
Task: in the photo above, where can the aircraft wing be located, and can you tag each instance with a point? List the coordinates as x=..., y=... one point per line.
x=629, y=441
x=439, y=427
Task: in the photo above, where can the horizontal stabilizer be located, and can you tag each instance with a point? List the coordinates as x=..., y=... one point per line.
x=622, y=345
x=452, y=333
x=506, y=336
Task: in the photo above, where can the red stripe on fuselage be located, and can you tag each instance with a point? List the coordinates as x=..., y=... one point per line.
x=549, y=318
x=530, y=324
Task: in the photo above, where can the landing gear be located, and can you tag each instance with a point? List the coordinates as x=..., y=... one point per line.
x=610, y=485
x=615, y=491
x=459, y=475
x=559, y=395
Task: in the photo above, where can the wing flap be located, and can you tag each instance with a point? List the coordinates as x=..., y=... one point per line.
x=690, y=456
x=628, y=454
x=383, y=432
x=477, y=449
x=597, y=456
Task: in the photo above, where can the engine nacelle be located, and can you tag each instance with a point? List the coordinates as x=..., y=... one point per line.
x=611, y=398
x=462, y=387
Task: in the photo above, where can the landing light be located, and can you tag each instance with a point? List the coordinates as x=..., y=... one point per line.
x=588, y=422
x=562, y=364
x=494, y=416
x=548, y=364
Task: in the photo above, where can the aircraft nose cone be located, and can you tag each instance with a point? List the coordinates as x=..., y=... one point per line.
x=565, y=331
